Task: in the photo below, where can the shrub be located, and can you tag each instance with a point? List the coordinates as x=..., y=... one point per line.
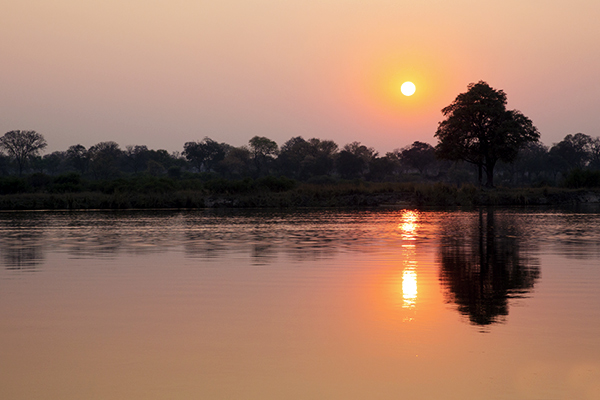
x=322, y=180
x=225, y=186
x=39, y=180
x=579, y=178
x=274, y=184
x=13, y=185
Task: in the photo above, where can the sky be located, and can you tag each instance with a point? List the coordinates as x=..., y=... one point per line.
x=162, y=73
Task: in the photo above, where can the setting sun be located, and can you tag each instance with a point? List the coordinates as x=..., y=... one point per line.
x=408, y=88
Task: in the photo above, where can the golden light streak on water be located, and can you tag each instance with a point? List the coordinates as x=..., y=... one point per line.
x=409, y=288
x=409, y=225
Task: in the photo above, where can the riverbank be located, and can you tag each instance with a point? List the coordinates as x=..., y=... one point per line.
x=362, y=194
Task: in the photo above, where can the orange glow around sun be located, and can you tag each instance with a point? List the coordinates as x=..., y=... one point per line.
x=382, y=80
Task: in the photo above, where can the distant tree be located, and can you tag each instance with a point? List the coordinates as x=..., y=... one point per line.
x=236, y=164
x=479, y=129
x=104, y=160
x=4, y=164
x=532, y=163
x=155, y=168
x=323, y=153
x=302, y=159
x=176, y=163
x=53, y=163
x=383, y=168
x=77, y=158
x=595, y=154
x=205, y=154
x=263, y=152
x=292, y=155
x=137, y=158
x=22, y=145
x=574, y=151
x=353, y=161
x=419, y=156
x=164, y=159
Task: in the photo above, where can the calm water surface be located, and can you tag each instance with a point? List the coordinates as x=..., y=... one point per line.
x=393, y=304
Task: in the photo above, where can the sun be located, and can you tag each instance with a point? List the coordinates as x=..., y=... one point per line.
x=408, y=88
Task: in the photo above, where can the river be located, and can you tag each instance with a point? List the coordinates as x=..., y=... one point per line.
x=310, y=304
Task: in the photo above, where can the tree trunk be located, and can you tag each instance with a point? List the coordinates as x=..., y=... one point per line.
x=20, y=165
x=489, y=172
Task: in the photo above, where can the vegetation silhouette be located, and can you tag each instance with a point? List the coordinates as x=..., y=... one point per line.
x=479, y=134
x=484, y=265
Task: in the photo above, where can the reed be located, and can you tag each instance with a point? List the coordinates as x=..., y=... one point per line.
x=276, y=193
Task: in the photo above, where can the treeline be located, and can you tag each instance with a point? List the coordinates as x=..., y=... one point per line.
x=219, y=167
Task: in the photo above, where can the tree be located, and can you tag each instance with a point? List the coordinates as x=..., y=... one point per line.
x=263, y=150
x=419, y=156
x=532, y=164
x=4, y=164
x=137, y=157
x=574, y=151
x=353, y=161
x=323, y=152
x=595, y=154
x=382, y=169
x=291, y=156
x=104, y=159
x=479, y=129
x=236, y=164
x=302, y=159
x=204, y=155
x=77, y=157
x=22, y=145
x=53, y=163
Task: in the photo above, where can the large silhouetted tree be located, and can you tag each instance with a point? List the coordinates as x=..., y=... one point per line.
x=22, y=145
x=479, y=129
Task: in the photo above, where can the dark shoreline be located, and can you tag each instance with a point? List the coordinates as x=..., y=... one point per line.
x=331, y=196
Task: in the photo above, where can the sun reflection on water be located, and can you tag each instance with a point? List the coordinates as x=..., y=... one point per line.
x=408, y=226
x=408, y=229
x=409, y=288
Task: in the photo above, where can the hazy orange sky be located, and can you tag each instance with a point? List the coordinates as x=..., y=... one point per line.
x=162, y=73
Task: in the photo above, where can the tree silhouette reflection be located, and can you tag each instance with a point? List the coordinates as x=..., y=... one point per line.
x=21, y=243
x=484, y=264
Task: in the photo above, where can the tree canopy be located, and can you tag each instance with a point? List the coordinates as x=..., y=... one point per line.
x=204, y=155
x=263, y=152
x=22, y=145
x=479, y=129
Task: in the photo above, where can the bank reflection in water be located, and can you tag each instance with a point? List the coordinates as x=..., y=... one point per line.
x=21, y=243
x=484, y=263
